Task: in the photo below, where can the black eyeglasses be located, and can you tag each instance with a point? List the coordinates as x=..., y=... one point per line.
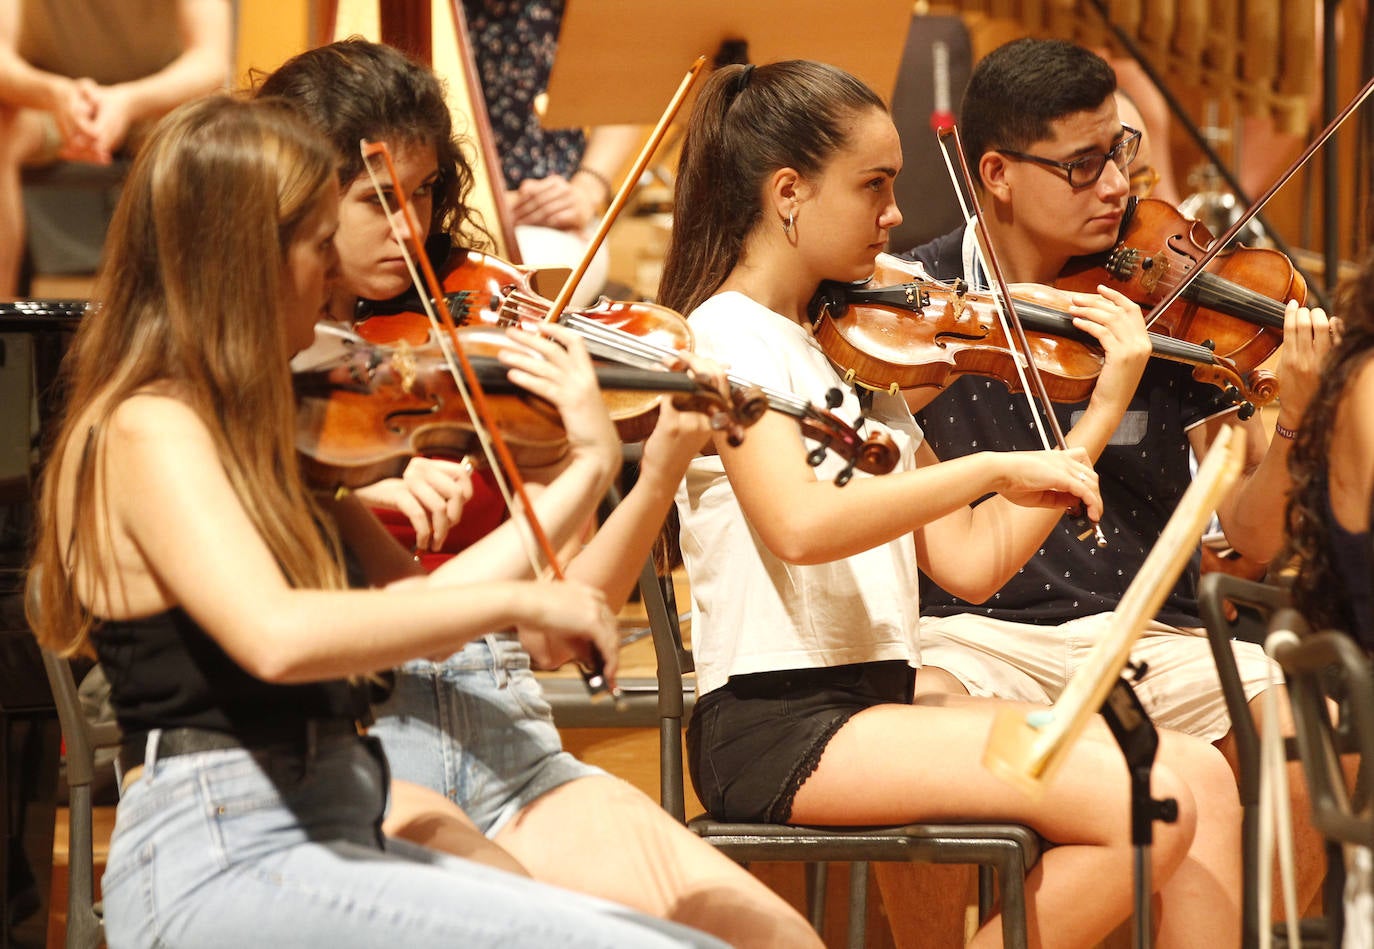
x=1086, y=169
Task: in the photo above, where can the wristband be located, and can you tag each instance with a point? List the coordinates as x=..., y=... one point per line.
x=1282, y=432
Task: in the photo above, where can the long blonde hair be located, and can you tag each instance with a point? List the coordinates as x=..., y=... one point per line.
x=188, y=301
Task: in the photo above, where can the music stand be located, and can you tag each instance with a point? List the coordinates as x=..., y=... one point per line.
x=618, y=61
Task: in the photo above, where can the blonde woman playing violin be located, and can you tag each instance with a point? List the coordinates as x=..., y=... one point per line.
x=178, y=542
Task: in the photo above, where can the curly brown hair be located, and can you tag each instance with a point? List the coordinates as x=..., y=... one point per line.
x=355, y=89
x=1318, y=590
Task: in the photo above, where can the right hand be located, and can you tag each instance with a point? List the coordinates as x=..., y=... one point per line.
x=554, y=365
x=1053, y=479
x=568, y=620
x=74, y=110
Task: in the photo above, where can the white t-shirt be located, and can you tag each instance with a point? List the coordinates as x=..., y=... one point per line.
x=752, y=612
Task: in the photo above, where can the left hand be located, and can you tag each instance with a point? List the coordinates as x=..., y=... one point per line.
x=553, y=364
x=1308, y=336
x=553, y=202
x=431, y=493
x=679, y=436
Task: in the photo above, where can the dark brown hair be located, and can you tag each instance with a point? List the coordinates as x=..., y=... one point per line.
x=747, y=123
x=355, y=89
x=1318, y=591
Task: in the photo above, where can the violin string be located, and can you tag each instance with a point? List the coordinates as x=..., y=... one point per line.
x=622, y=341
x=1229, y=292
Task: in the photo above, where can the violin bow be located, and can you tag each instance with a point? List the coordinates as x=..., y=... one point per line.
x=435, y=304
x=1220, y=243
x=1031, y=380
x=622, y=195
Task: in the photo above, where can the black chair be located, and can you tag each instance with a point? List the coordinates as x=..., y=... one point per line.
x=83, y=738
x=1008, y=850
x=1317, y=667
x=1255, y=605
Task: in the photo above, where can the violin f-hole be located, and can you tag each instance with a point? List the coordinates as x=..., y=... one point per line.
x=390, y=420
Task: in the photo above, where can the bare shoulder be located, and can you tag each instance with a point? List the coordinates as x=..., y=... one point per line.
x=156, y=432
x=1354, y=424
x=155, y=415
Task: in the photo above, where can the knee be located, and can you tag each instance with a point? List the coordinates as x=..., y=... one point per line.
x=1172, y=839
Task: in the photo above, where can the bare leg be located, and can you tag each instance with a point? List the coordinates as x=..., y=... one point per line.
x=601, y=836
x=21, y=138
x=427, y=818
x=1200, y=905
x=893, y=764
x=927, y=903
x=1309, y=853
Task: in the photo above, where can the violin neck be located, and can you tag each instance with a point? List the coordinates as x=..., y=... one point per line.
x=1217, y=293
x=1048, y=320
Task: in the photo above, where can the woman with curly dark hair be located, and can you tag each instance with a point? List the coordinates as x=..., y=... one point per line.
x=1332, y=466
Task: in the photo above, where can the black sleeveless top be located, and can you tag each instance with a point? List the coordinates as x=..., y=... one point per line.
x=167, y=672
x=1353, y=557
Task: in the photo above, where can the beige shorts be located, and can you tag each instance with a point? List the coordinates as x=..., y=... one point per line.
x=1030, y=663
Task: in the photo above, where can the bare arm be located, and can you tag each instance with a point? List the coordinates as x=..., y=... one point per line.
x=611, y=562
x=572, y=203
x=803, y=520
x=1252, y=514
x=206, y=30
x=24, y=86
x=181, y=537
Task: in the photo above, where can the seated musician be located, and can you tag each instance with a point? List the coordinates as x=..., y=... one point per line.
x=805, y=626
x=179, y=541
x=1332, y=466
x=81, y=80
x=1051, y=158
x=473, y=724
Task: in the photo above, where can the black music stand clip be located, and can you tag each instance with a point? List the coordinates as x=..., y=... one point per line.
x=1138, y=739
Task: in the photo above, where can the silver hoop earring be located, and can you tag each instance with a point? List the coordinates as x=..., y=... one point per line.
x=787, y=224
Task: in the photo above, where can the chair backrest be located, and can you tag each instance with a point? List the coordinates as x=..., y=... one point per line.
x=82, y=738
x=674, y=661
x=1317, y=666
x=1253, y=604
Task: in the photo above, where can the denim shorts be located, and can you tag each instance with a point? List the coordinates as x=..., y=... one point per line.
x=477, y=729
x=752, y=743
x=232, y=848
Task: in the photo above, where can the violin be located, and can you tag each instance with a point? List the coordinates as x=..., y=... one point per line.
x=485, y=291
x=482, y=290
x=900, y=329
x=363, y=414
x=1234, y=307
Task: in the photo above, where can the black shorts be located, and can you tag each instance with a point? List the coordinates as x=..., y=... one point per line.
x=753, y=742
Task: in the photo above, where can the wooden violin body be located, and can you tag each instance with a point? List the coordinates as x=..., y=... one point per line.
x=363, y=416
x=1234, y=307
x=484, y=291
x=902, y=330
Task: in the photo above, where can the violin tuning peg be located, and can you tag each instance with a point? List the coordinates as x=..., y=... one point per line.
x=815, y=456
x=843, y=477
x=833, y=398
x=1247, y=409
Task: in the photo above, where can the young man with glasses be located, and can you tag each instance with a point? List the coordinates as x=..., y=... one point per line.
x=1051, y=159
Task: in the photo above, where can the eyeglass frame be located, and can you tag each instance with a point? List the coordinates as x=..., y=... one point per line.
x=1131, y=141
x=1143, y=180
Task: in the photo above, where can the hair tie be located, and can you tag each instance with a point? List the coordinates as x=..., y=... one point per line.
x=742, y=79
